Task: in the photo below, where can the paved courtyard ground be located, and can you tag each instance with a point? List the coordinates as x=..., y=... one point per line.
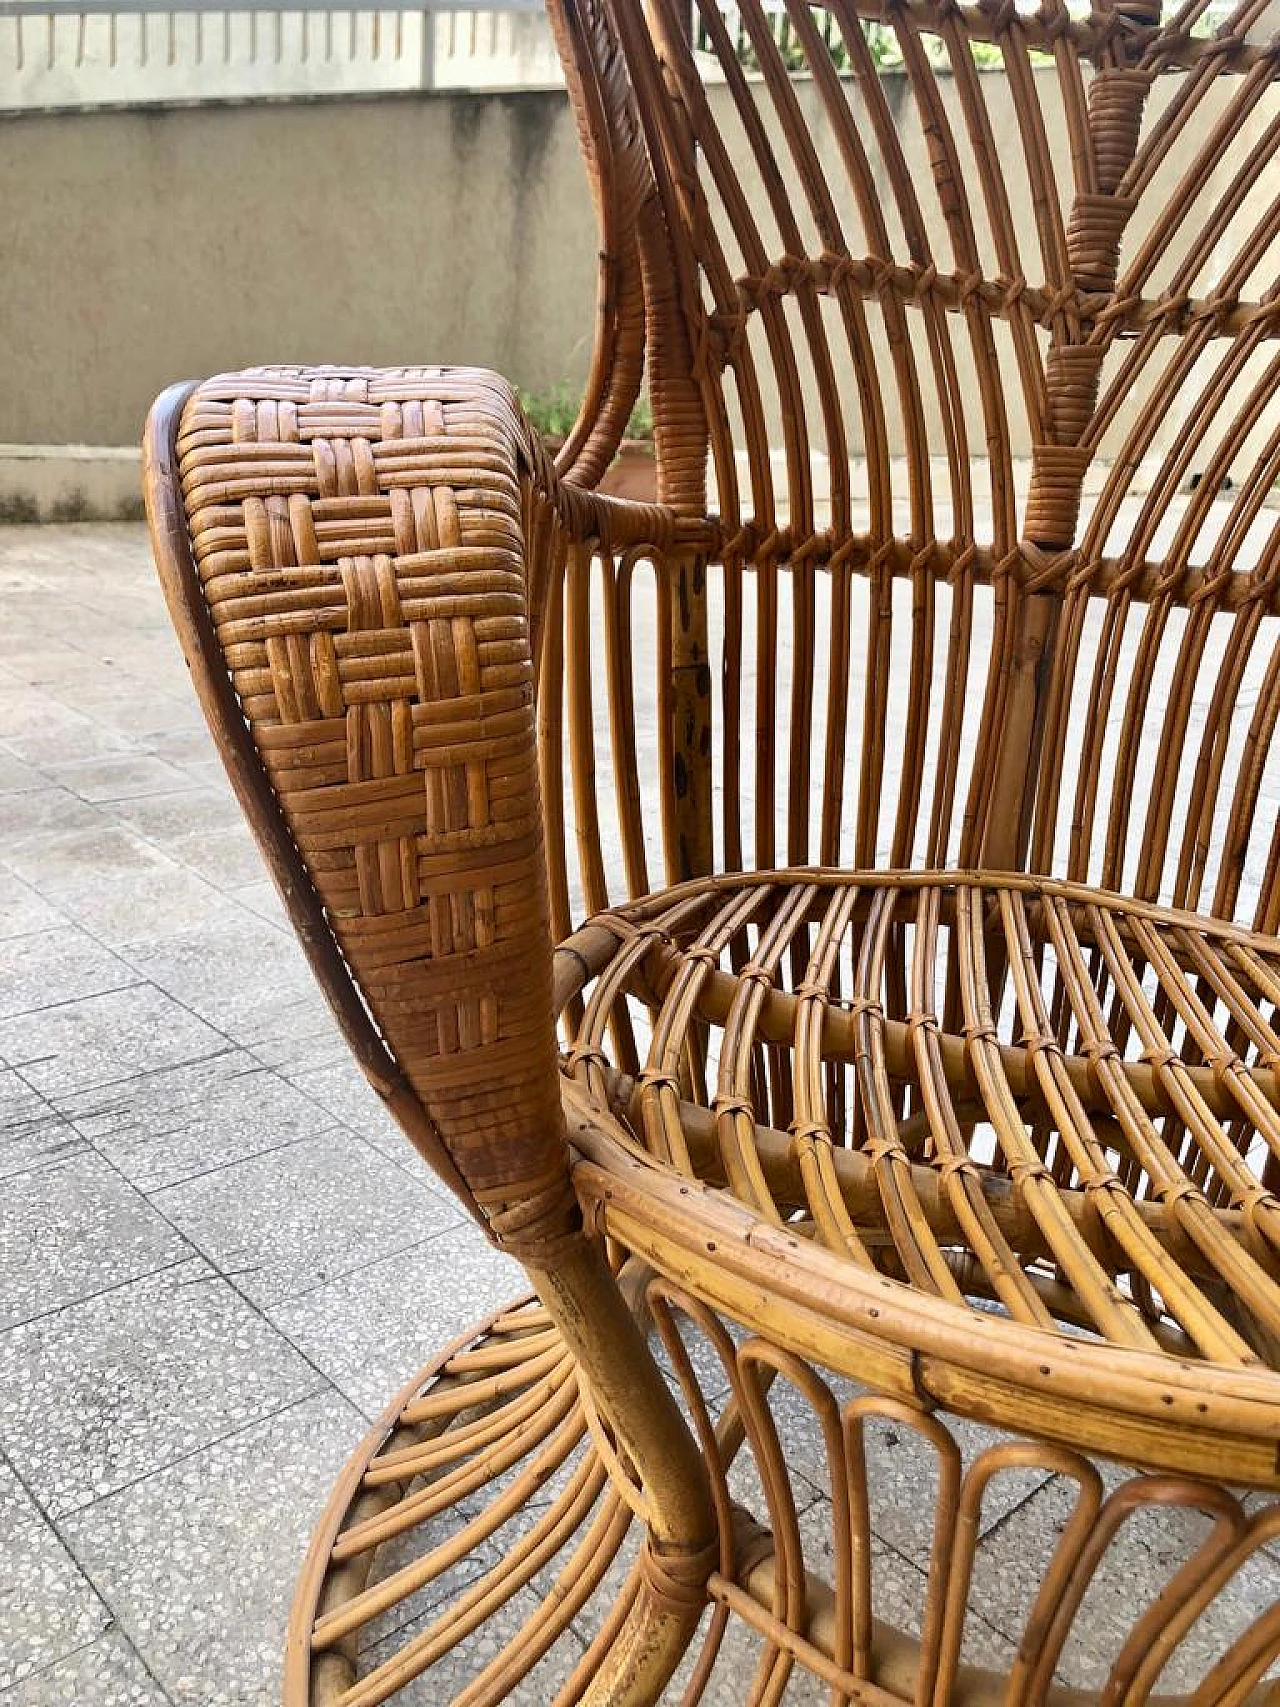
x=217, y=1259
x=217, y=1256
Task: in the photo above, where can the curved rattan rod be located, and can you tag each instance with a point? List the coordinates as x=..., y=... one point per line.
x=782, y=1170
x=780, y=1164
x=840, y=1042
x=398, y=1585
x=1025, y=1378
x=327, y=1584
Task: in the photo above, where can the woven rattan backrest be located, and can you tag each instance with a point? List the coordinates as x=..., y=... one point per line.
x=961, y=335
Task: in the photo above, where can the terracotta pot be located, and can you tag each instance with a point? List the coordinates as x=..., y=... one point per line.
x=632, y=474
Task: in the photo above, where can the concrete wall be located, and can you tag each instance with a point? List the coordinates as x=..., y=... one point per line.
x=145, y=246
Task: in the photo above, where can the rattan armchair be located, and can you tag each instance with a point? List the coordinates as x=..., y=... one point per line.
x=906, y=819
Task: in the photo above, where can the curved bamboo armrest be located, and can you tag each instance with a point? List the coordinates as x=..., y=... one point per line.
x=353, y=561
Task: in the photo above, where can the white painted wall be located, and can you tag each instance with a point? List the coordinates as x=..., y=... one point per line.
x=73, y=61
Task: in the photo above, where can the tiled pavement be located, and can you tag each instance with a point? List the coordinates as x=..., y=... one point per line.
x=217, y=1259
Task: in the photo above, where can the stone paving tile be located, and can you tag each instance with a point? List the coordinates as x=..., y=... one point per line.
x=15, y=776
x=104, y=1392
x=127, y=777
x=164, y=899
x=136, y=712
x=170, y=819
x=309, y=1042
x=42, y=815
x=40, y=730
x=105, y=1673
x=262, y=898
x=228, y=858
x=187, y=744
x=198, y=1560
x=286, y=1222
x=162, y=1128
x=342, y=1087
x=57, y=663
x=55, y=860
x=370, y=1330
x=70, y=1048
x=42, y=968
x=47, y=1606
x=32, y=1134
x=73, y=1229
x=23, y=909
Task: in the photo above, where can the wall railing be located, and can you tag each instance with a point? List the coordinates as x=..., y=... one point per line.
x=104, y=52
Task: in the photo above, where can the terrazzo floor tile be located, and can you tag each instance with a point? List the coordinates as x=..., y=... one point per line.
x=371, y=1330
x=73, y=1229
x=1149, y=1548
x=162, y=1128
x=163, y=900
x=42, y=968
x=32, y=1134
x=198, y=1560
x=342, y=1087
x=101, y=1393
x=105, y=1673
x=47, y=1606
x=242, y=975
x=286, y=1222
x=101, y=1040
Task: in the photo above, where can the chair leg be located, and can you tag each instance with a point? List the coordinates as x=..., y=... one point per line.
x=583, y=1298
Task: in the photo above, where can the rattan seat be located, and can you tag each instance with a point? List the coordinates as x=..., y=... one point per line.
x=1081, y=1161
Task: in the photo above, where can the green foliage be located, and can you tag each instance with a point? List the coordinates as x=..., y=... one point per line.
x=882, y=43
x=640, y=421
x=553, y=412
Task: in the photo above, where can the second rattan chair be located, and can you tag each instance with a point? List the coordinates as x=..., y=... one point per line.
x=956, y=1149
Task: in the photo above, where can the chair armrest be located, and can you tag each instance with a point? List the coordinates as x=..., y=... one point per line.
x=343, y=555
